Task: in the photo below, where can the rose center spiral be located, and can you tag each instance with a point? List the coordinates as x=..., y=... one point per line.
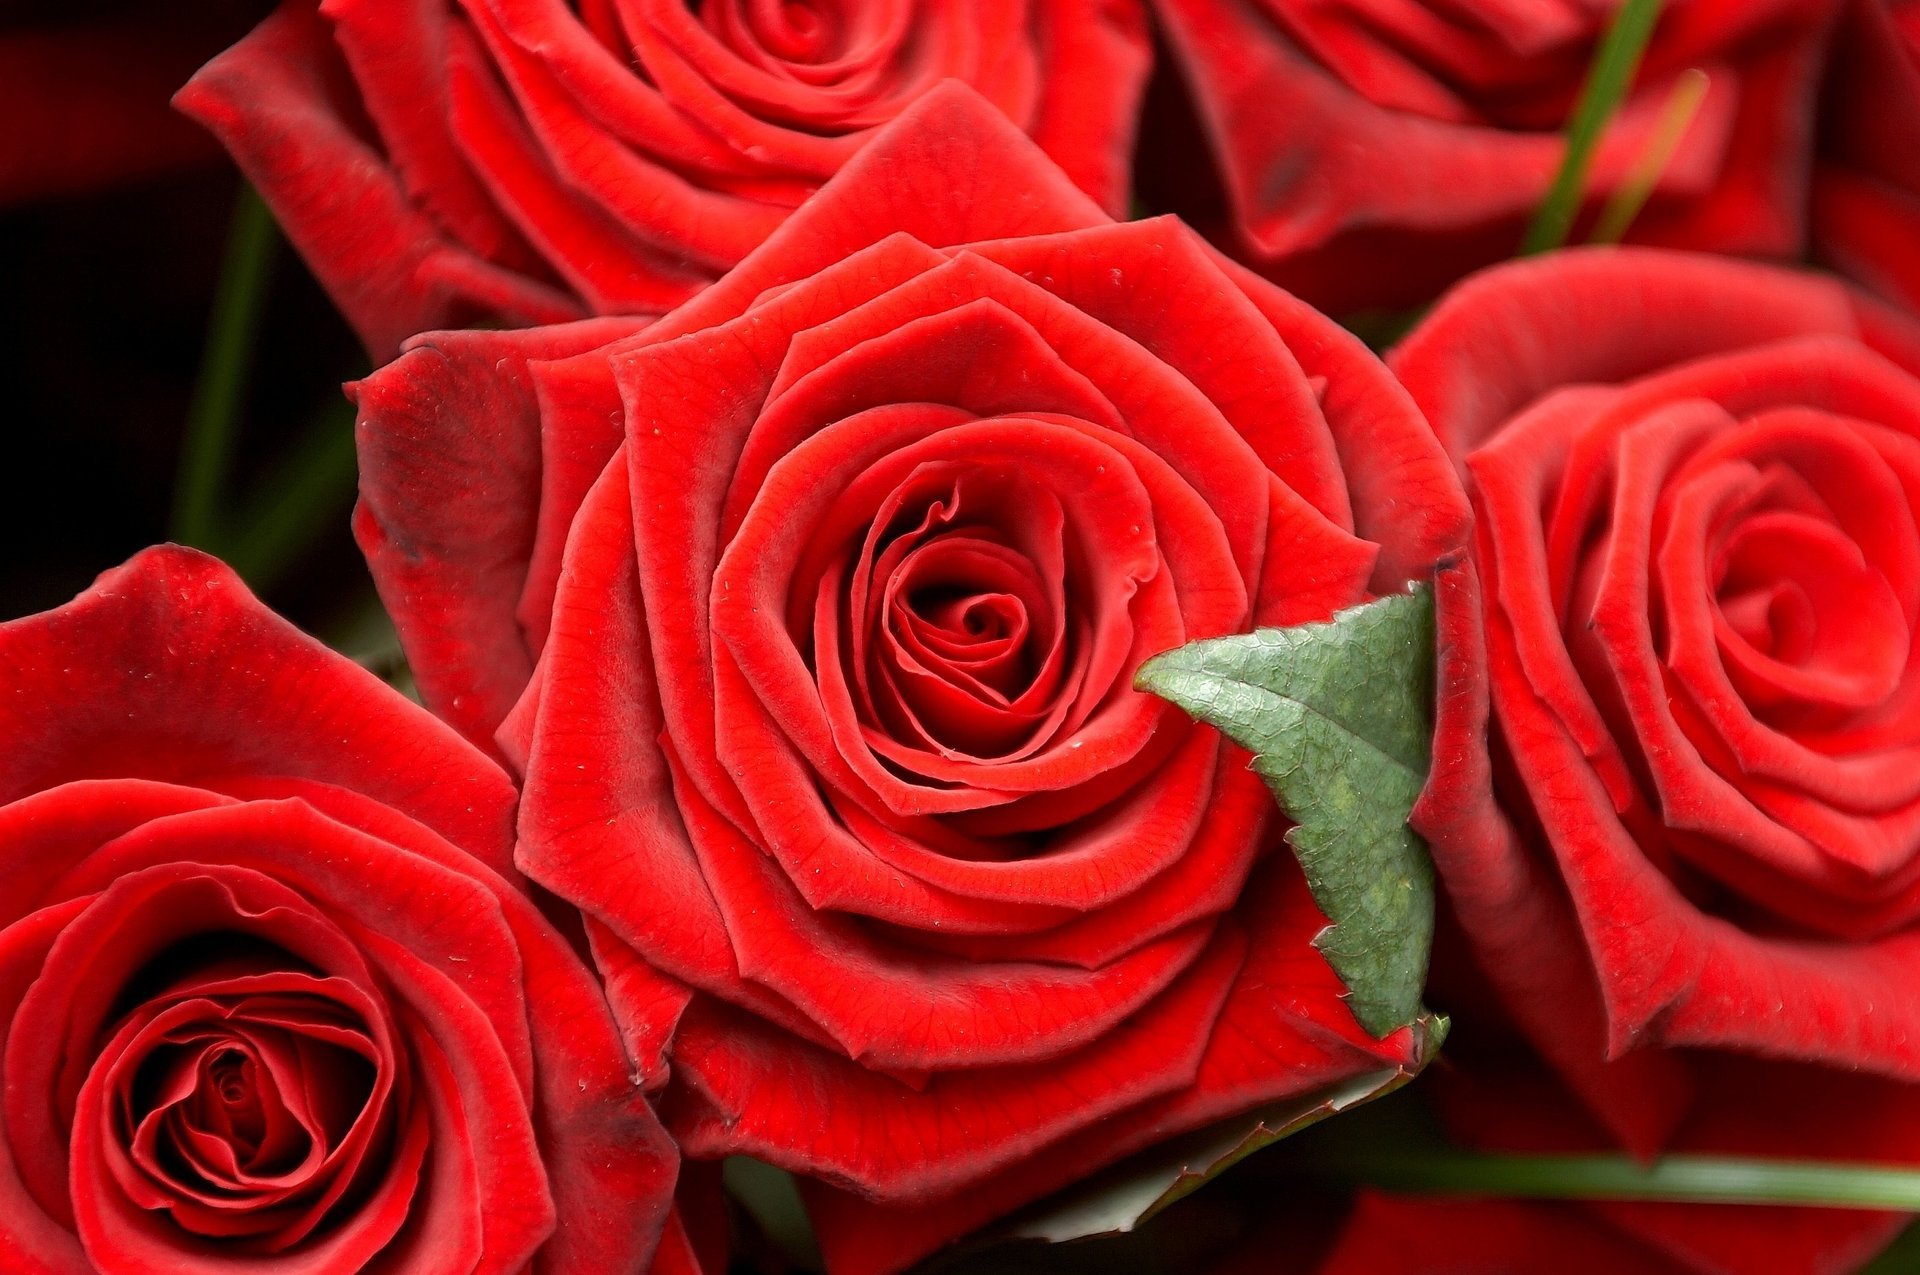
x=964, y=614
x=802, y=32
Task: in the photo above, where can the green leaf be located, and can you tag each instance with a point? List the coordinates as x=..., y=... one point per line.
x=1607, y=82
x=1338, y=716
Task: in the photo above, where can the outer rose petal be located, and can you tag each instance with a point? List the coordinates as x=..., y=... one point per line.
x=275, y=99
x=515, y=1059
x=514, y=159
x=145, y=674
x=1518, y=916
x=1638, y=312
x=1868, y=230
x=1297, y=100
x=1866, y=194
x=456, y=443
x=1255, y=1039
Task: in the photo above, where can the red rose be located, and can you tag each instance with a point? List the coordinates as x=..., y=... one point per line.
x=535, y=160
x=1372, y=154
x=895, y=880
x=1699, y=581
x=270, y=1002
x=1866, y=196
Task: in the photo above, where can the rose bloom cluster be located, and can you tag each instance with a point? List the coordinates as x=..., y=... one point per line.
x=790, y=431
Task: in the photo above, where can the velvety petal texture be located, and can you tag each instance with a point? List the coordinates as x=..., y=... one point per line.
x=1300, y=100
x=273, y=997
x=1866, y=194
x=441, y=161
x=1691, y=633
x=829, y=724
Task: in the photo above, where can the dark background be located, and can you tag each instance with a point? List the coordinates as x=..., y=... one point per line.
x=104, y=300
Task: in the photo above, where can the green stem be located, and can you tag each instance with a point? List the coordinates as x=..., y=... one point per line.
x=307, y=489
x=1606, y=85
x=1683, y=103
x=1693, y=1178
x=206, y=451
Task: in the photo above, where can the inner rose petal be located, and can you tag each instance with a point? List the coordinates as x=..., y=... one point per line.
x=991, y=544
x=969, y=627
x=990, y=689
x=1092, y=571
x=1798, y=508
x=814, y=41
x=1835, y=634
x=184, y=981
x=1120, y=504
x=1774, y=617
x=953, y=527
x=861, y=855
x=821, y=67
x=1729, y=568
x=978, y=635
x=808, y=32
x=229, y=1121
x=245, y=1114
